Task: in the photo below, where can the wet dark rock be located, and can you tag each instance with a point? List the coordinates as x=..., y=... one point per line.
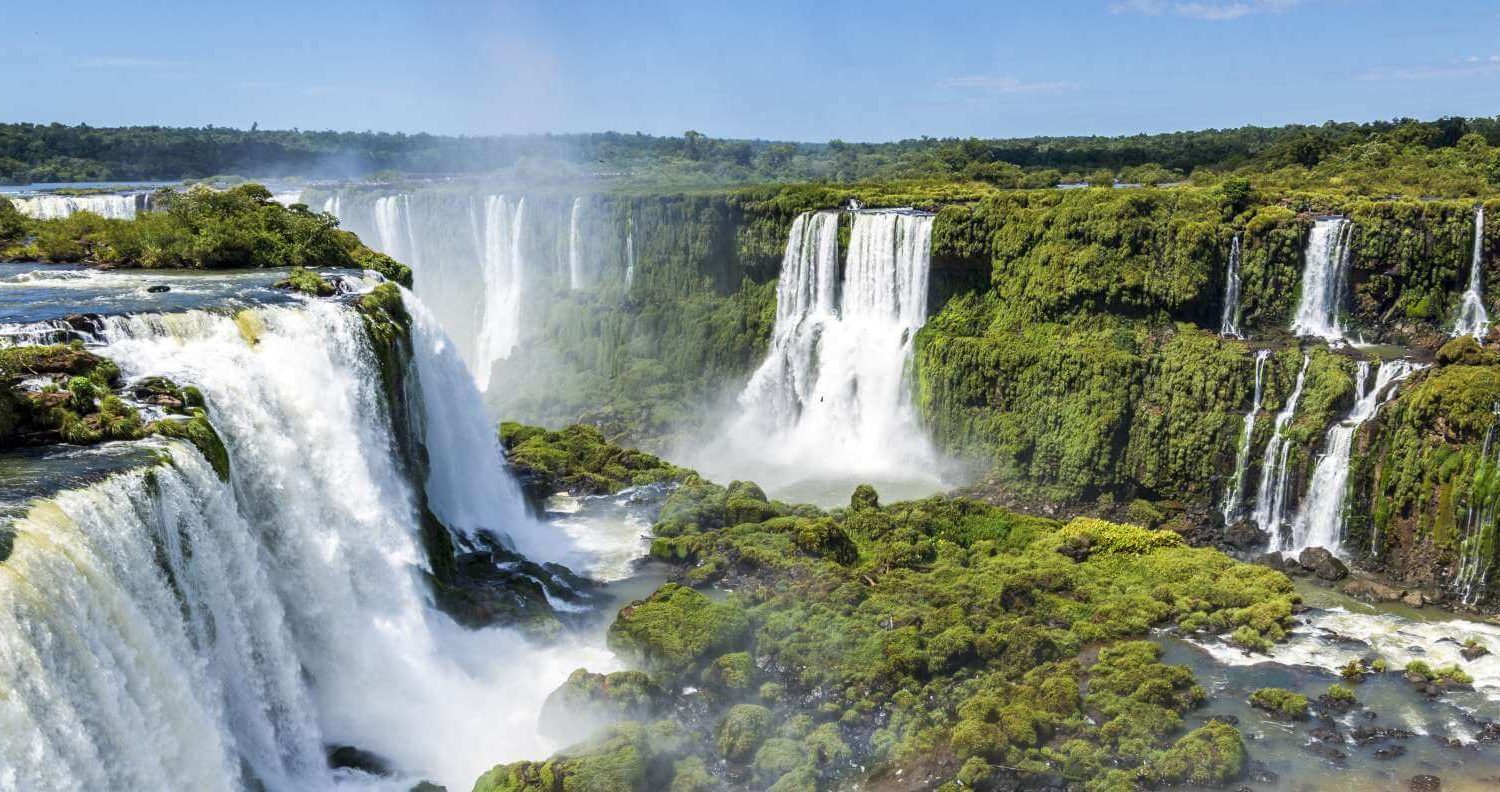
x=1323, y=563
x=1390, y=752
x=1326, y=751
x=85, y=322
x=1228, y=720
x=1244, y=536
x=1473, y=651
x=1425, y=783
x=1364, y=735
x=1272, y=560
x=1328, y=734
x=1370, y=590
x=158, y=288
x=352, y=758
x=498, y=587
x=1258, y=772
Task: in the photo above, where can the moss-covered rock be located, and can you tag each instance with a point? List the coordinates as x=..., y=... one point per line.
x=677, y=629
x=578, y=459
x=588, y=703
x=1280, y=702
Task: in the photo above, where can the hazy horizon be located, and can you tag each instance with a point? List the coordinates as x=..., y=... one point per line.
x=778, y=71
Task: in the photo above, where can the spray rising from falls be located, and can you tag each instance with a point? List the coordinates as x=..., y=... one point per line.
x=1324, y=271
x=1270, y=496
x=833, y=393
x=1473, y=319
x=1229, y=322
x=166, y=627
x=1236, y=493
x=1320, y=518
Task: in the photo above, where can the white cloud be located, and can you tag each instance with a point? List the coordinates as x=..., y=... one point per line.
x=1212, y=10
x=1472, y=66
x=1007, y=85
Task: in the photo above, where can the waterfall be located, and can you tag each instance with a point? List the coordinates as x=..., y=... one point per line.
x=393, y=228
x=575, y=247
x=1229, y=322
x=1320, y=517
x=163, y=628
x=833, y=392
x=1236, y=492
x=1473, y=319
x=630, y=254
x=1478, y=547
x=53, y=207
x=499, y=230
x=1270, y=496
x=1324, y=270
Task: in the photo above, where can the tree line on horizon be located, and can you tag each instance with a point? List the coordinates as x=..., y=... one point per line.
x=33, y=153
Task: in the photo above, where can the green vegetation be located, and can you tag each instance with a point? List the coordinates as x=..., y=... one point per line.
x=943, y=636
x=579, y=460
x=1447, y=156
x=1280, y=703
x=201, y=229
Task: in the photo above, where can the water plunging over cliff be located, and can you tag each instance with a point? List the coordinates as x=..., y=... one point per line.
x=1324, y=271
x=575, y=247
x=833, y=394
x=163, y=627
x=1270, y=496
x=1236, y=492
x=1229, y=322
x=1480, y=528
x=1473, y=319
x=1320, y=517
x=52, y=207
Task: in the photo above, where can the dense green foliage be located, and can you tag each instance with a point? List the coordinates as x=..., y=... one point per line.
x=199, y=228
x=577, y=459
x=940, y=639
x=1448, y=156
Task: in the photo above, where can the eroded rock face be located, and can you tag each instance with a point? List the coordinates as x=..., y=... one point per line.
x=1323, y=563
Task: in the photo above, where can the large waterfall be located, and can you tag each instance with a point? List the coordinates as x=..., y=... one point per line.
x=1473, y=319
x=833, y=393
x=1229, y=320
x=1324, y=271
x=1235, y=494
x=168, y=630
x=1320, y=517
x=488, y=265
x=1270, y=496
x=52, y=207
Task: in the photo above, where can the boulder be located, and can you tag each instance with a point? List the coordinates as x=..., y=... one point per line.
x=1244, y=536
x=1370, y=590
x=1323, y=563
x=1414, y=599
x=1272, y=560
x=158, y=288
x=352, y=758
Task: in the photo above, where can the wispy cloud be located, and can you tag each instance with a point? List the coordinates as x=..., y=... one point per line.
x=1007, y=85
x=1212, y=10
x=128, y=62
x=1472, y=66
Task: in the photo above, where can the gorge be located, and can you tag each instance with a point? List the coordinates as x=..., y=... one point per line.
x=1193, y=371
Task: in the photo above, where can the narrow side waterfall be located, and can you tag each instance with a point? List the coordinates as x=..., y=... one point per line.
x=1480, y=527
x=1229, y=322
x=630, y=254
x=163, y=629
x=1324, y=271
x=575, y=246
x=1320, y=517
x=1473, y=319
x=1234, y=497
x=393, y=228
x=833, y=393
x=53, y=207
x=1270, y=496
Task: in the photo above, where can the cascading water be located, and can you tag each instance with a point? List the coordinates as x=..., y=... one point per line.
x=1473, y=319
x=1480, y=528
x=1324, y=270
x=575, y=246
x=393, y=228
x=630, y=255
x=499, y=229
x=832, y=394
x=1229, y=322
x=162, y=628
x=1320, y=517
x=52, y=207
x=1236, y=493
x=1270, y=496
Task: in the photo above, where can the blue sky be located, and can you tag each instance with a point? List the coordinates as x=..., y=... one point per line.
x=872, y=70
